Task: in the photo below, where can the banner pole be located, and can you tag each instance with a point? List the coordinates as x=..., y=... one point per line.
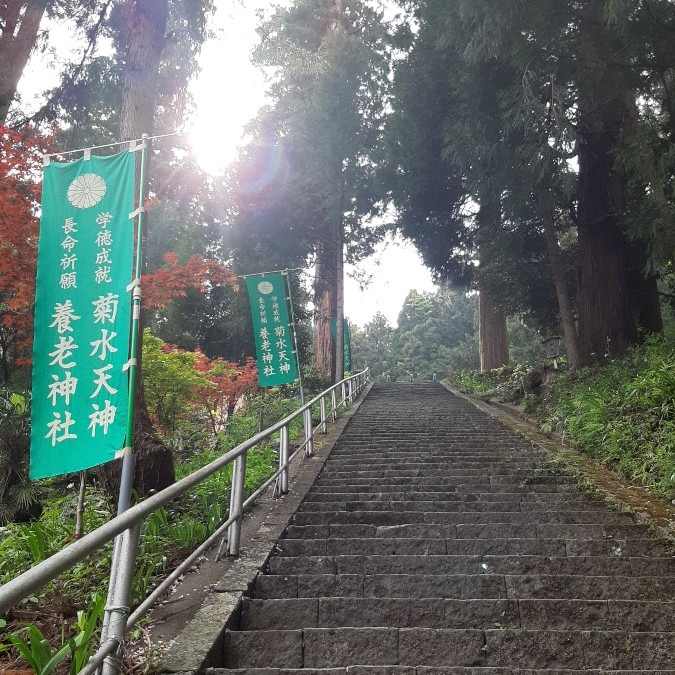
x=295, y=334
x=128, y=459
x=125, y=546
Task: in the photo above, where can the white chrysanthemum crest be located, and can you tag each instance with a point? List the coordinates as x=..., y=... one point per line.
x=86, y=191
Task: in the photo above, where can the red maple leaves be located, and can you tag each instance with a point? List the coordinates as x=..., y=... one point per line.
x=20, y=172
x=167, y=283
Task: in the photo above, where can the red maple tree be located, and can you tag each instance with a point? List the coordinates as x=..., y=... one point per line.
x=166, y=283
x=20, y=171
x=229, y=383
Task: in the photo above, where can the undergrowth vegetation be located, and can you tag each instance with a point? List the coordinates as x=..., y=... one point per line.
x=622, y=414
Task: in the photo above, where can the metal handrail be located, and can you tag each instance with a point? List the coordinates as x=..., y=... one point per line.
x=32, y=580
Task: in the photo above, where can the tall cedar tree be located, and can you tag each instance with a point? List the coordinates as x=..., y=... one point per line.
x=330, y=57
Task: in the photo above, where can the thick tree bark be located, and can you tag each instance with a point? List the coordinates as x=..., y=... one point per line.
x=545, y=208
x=325, y=303
x=606, y=324
x=146, y=23
x=493, y=343
x=19, y=25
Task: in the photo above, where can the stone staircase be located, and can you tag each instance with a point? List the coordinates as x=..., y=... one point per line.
x=437, y=541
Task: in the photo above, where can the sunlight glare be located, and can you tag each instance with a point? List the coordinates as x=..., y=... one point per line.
x=229, y=90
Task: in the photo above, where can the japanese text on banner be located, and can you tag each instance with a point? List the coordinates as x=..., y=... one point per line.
x=82, y=314
x=272, y=330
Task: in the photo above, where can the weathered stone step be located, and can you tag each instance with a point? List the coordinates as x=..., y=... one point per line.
x=492, y=502
x=429, y=530
x=473, y=478
x=516, y=513
x=523, y=519
x=289, y=614
x=459, y=485
x=458, y=459
x=472, y=564
x=462, y=458
x=540, y=649
x=450, y=492
x=441, y=468
x=465, y=587
x=417, y=546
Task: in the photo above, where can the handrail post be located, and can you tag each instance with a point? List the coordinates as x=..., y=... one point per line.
x=324, y=425
x=236, y=504
x=309, y=442
x=333, y=405
x=350, y=388
x=283, y=460
x=117, y=608
x=344, y=394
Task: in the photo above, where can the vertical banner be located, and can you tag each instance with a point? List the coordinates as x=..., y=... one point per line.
x=347, y=342
x=82, y=314
x=271, y=329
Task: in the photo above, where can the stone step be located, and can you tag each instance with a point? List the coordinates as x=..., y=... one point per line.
x=456, y=501
x=288, y=614
x=417, y=546
x=603, y=522
x=449, y=492
x=523, y=513
x=413, y=460
x=354, y=485
x=534, y=649
x=425, y=468
x=472, y=564
x=425, y=530
x=460, y=459
x=472, y=478
x=465, y=586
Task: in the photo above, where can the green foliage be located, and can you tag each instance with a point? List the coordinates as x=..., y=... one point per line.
x=171, y=381
x=372, y=348
x=507, y=384
x=622, y=414
x=35, y=649
x=27, y=544
x=18, y=497
x=430, y=326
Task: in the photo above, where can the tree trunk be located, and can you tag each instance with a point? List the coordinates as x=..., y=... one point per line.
x=18, y=34
x=340, y=309
x=145, y=22
x=644, y=291
x=545, y=208
x=493, y=343
x=606, y=324
x=325, y=303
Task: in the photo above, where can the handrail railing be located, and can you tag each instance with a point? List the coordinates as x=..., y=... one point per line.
x=128, y=523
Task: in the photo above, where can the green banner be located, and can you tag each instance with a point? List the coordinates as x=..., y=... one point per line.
x=82, y=314
x=271, y=329
x=347, y=341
